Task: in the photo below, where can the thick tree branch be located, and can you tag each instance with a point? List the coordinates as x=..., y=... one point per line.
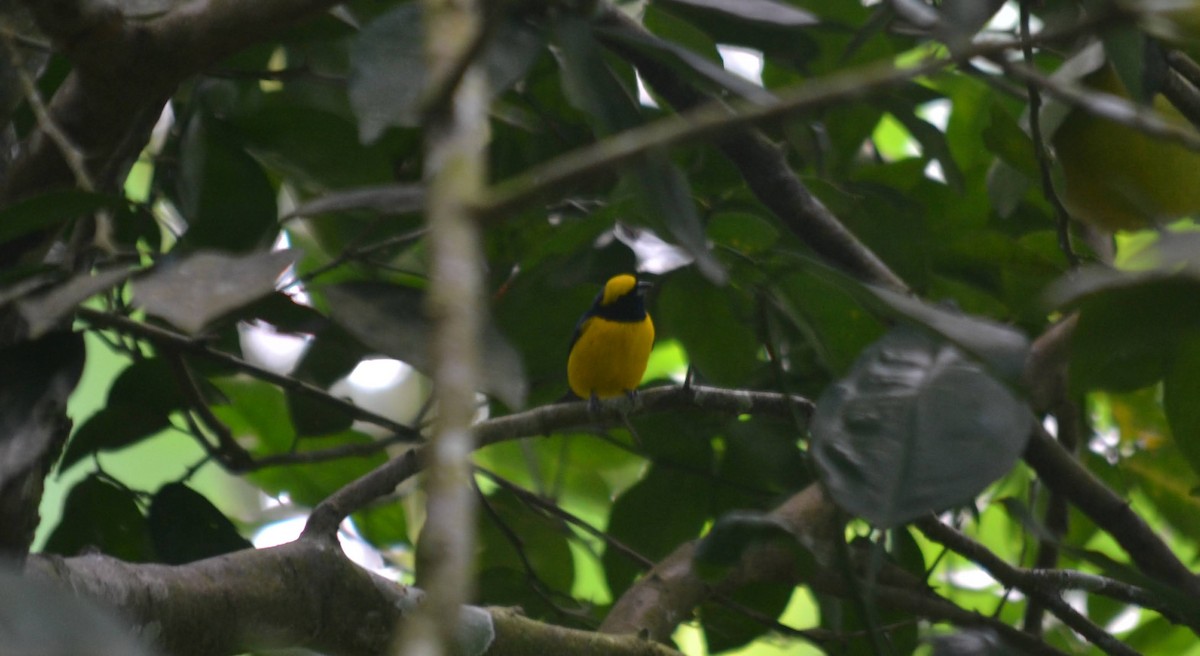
x=302, y=594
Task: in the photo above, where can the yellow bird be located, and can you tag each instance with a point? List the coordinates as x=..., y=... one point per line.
x=612, y=341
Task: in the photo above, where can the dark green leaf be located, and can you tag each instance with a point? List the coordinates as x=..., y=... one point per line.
x=314, y=417
x=204, y=286
x=391, y=319
x=100, y=515
x=1127, y=331
x=36, y=378
x=51, y=209
x=916, y=427
x=1005, y=138
x=45, y=310
x=590, y=85
x=522, y=543
x=388, y=84
x=779, y=14
x=727, y=628
x=665, y=195
x=1002, y=348
x=684, y=62
x=186, y=527
x=672, y=502
x=735, y=532
x=224, y=194
x=742, y=231
x=1181, y=389
x=388, y=199
x=140, y=403
x=388, y=72
x=712, y=327
x=384, y=525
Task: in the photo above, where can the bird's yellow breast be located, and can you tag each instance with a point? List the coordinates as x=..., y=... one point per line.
x=609, y=358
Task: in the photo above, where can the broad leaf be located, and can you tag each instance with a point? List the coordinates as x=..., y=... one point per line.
x=391, y=319
x=36, y=378
x=52, y=209
x=773, y=13
x=223, y=192
x=388, y=81
x=99, y=515
x=186, y=527
x=139, y=406
x=192, y=292
x=48, y=308
x=915, y=427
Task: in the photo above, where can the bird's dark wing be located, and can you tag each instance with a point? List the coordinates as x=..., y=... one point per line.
x=579, y=327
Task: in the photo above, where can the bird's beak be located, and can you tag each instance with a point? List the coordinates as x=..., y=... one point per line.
x=643, y=286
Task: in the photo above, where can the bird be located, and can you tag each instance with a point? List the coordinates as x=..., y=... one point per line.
x=612, y=342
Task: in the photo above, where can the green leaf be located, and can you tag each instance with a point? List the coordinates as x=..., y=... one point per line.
x=1005, y=138
x=772, y=13
x=48, y=308
x=735, y=532
x=36, y=378
x=726, y=628
x=315, y=417
x=100, y=515
x=915, y=427
x=1181, y=389
x=53, y=208
x=665, y=195
x=590, y=84
x=517, y=543
x=223, y=192
x=384, y=525
x=391, y=319
x=667, y=499
x=186, y=527
x=743, y=232
x=193, y=292
x=388, y=76
x=685, y=63
x=1001, y=347
x=139, y=405
x=711, y=326
x=1128, y=329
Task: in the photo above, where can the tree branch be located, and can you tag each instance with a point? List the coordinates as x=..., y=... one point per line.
x=1064, y=475
x=169, y=340
x=1012, y=577
x=544, y=420
x=455, y=163
x=302, y=594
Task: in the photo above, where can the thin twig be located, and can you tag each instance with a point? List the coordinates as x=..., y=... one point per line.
x=719, y=118
x=164, y=338
x=1062, y=474
x=1013, y=577
x=1062, y=217
x=71, y=155
x=229, y=452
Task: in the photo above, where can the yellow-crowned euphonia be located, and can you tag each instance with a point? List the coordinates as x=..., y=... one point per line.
x=612, y=341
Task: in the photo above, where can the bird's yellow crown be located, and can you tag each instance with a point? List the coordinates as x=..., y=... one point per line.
x=616, y=287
